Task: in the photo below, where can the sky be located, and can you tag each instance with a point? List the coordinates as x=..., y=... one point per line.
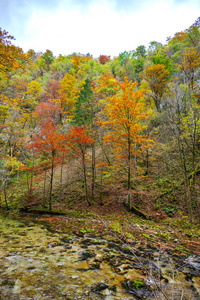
x=98, y=27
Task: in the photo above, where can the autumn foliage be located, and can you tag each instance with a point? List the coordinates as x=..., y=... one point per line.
x=75, y=127
x=123, y=121
x=11, y=57
x=104, y=59
x=79, y=141
x=157, y=77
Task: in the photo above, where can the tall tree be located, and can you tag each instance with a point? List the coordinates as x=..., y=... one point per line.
x=69, y=94
x=85, y=115
x=11, y=57
x=157, y=77
x=47, y=140
x=123, y=114
x=49, y=143
x=84, y=106
x=189, y=65
x=181, y=130
x=79, y=141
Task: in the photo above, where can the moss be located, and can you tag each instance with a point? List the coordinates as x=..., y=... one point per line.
x=137, y=284
x=165, y=235
x=129, y=235
x=116, y=226
x=146, y=236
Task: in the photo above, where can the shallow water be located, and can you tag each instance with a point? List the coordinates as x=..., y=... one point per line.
x=38, y=264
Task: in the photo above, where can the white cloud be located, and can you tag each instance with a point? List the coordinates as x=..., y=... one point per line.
x=100, y=29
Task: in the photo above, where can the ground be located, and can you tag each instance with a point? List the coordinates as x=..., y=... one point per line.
x=175, y=234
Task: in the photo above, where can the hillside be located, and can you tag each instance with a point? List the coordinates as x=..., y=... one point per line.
x=88, y=135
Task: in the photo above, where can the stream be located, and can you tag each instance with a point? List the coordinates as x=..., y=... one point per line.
x=36, y=263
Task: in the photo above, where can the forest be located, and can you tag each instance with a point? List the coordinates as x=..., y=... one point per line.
x=78, y=132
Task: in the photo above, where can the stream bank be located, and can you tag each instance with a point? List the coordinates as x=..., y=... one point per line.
x=56, y=257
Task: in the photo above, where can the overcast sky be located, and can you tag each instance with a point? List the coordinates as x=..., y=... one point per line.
x=97, y=27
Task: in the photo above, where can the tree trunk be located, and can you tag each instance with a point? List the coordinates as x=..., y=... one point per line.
x=44, y=189
x=93, y=172
x=147, y=162
x=188, y=200
x=136, y=211
x=104, y=152
x=5, y=197
x=51, y=180
x=31, y=184
x=129, y=171
x=85, y=177
x=61, y=180
x=101, y=187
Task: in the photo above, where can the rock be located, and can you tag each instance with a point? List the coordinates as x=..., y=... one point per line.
x=139, y=289
x=86, y=242
x=100, y=286
x=83, y=255
x=67, y=246
x=194, y=262
x=31, y=268
x=95, y=265
x=55, y=244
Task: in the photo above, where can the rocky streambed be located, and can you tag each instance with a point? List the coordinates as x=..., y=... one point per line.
x=36, y=263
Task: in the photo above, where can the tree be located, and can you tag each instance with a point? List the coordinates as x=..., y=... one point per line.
x=11, y=57
x=48, y=58
x=48, y=141
x=157, y=77
x=52, y=90
x=33, y=94
x=140, y=52
x=4, y=113
x=154, y=47
x=104, y=59
x=106, y=86
x=123, y=114
x=9, y=172
x=84, y=106
x=76, y=60
x=159, y=59
x=193, y=34
x=123, y=57
x=48, y=111
x=79, y=141
x=69, y=94
x=85, y=115
x=31, y=54
x=181, y=130
x=189, y=65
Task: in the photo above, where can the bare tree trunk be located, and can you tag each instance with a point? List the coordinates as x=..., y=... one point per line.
x=101, y=187
x=31, y=184
x=147, y=162
x=61, y=180
x=51, y=180
x=188, y=200
x=104, y=152
x=129, y=172
x=93, y=172
x=85, y=177
x=44, y=190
